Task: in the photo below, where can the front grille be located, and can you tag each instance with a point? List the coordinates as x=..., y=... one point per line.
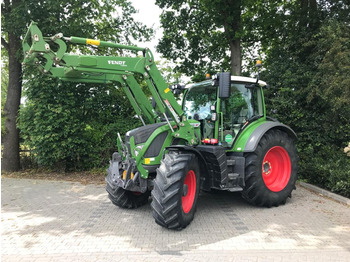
x=141, y=134
x=156, y=145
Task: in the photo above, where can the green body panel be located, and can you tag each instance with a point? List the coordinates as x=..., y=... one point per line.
x=140, y=97
x=240, y=142
x=140, y=158
x=83, y=41
x=217, y=126
x=153, y=160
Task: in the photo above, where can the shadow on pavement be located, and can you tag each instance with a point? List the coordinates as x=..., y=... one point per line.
x=63, y=216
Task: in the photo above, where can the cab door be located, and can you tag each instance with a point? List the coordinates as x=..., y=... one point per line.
x=197, y=105
x=242, y=105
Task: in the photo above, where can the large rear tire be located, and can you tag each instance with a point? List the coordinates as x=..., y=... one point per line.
x=176, y=189
x=271, y=170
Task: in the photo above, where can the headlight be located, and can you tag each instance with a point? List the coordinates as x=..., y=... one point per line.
x=138, y=149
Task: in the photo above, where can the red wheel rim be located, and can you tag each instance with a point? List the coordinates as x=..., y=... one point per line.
x=188, y=199
x=276, y=168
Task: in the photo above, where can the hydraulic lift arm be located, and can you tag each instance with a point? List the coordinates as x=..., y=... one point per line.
x=49, y=55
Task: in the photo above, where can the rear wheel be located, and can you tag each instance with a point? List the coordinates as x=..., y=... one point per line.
x=176, y=189
x=271, y=170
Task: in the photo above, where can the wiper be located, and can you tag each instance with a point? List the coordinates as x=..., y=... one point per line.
x=252, y=86
x=252, y=119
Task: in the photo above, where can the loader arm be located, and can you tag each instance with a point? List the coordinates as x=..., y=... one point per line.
x=49, y=55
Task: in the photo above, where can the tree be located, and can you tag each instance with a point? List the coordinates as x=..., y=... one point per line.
x=202, y=35
x=207, y=36
x=73, y=127
x=10, y=160
x=108, y=19
x=307, y=67
x=167, y=71
x=4, y=84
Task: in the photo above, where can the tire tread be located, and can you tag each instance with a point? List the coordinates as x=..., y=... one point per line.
x=255, y=191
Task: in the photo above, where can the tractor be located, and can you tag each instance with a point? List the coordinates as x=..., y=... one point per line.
x=218, y=138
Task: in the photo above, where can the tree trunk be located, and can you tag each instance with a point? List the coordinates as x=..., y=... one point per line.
x=236, y=59
x=304, y=4
x=10, y=160
x=308, y=13
x=313, y=14
x=231, y=27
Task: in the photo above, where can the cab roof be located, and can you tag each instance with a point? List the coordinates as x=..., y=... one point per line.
x=242, y=79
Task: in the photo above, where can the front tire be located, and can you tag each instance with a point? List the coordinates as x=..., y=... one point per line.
x=127, y=199
x=271, y=170
x=176, y=189
x=124, y=198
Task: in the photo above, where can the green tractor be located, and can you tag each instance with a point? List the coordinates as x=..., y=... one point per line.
x=218, y=138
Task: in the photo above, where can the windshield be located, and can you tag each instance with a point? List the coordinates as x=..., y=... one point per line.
x=198, y=101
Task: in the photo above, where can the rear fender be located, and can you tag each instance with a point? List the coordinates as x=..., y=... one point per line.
x=257, y=134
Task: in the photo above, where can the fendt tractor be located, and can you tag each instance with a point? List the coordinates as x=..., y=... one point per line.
x=218, y=138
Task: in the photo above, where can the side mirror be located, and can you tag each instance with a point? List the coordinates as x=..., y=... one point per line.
x=177, y=88
x=177, y=91
x=224, y=84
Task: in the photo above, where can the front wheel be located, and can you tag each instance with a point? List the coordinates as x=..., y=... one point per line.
x=124, y=198
x=176, y=189
x=271, y=170
x=127, y=199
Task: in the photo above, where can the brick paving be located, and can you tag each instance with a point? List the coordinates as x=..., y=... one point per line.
x=64, y=221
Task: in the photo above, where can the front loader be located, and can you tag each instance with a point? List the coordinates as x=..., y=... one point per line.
x=218, y=138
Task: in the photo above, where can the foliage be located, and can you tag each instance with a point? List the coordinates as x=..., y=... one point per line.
x=326, y=167
x=332, y=77
x=308, y=69
x=206, y=36
x=197, y=34
x=105, y=19
x=73, y=126
x=66, y=123
x=167, y=70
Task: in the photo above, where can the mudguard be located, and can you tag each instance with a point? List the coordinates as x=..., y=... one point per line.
x=204, y=167
x=257, y=134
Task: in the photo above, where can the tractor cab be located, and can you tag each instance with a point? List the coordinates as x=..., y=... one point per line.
x=222, y=117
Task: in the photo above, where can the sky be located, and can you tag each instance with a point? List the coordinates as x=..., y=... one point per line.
x=149, y=14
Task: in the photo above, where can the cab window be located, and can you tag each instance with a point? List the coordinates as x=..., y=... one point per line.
x=243, y=104
x=197, y=105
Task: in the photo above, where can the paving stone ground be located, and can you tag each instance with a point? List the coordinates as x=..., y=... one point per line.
x=64, y=221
